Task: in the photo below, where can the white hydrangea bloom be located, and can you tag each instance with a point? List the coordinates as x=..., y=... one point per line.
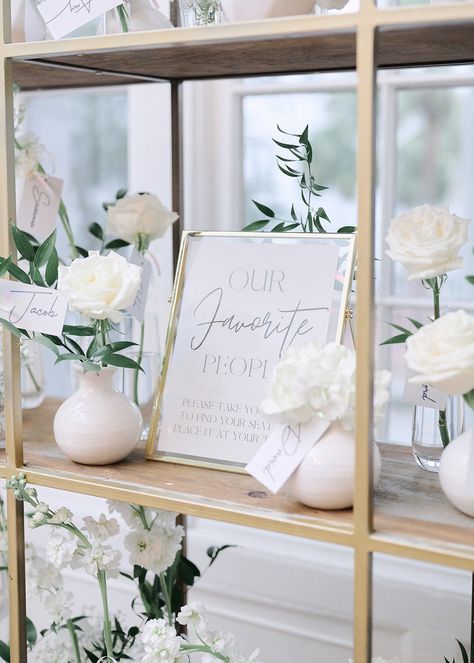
x=59, y=606
x=28, y=155
x=54, y=647
x=101, y=529
x=319, y=381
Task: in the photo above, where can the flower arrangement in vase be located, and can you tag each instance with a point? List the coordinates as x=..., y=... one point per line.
x=427, y=241
x=317, y=382
x=97, y=424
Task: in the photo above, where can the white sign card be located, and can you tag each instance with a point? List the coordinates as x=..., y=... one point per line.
x=65, y=16
x=241, y=301
x=39, y=204
x=137, y=310
x=32, y=308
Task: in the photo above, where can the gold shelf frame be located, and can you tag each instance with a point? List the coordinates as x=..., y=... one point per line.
x=362, y=539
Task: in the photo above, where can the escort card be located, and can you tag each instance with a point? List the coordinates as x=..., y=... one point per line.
x=32, y=308
x=424, y=395
x=39, y=204
x=63, y=17
x=283, y=451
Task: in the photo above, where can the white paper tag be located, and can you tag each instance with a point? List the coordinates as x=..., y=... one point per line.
x=139, y=305
x=63, y=16
x=32, y=308
x=283, y=451
x=424, y=395
x=39, y=204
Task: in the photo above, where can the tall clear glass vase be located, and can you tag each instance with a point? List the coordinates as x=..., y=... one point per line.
x=201, y=12
x=427, y=445
x=140, y=386
x=136, y=16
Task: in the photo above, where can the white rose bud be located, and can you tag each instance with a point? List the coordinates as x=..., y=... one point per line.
x=427, y=241
x=442, y=353
x=139, y=214
x=100, y=287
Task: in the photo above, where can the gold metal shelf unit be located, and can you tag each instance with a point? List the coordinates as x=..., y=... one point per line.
x=408, y=503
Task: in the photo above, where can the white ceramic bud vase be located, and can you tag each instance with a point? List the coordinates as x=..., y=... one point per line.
x=325, y=478
x=97, y=425
x=456, y=472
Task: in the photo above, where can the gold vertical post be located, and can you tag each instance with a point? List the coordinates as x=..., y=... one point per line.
x=363, y=510
x=177, y=163
x=5, y=15
x=16, y=577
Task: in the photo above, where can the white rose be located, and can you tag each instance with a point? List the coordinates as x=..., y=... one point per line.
x=139, y=214
x=100, y=287
x=442, y=353
x=427, y=241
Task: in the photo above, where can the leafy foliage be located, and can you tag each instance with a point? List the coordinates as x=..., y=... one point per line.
x=464, y=654
x=299, y=152
x=405, y=333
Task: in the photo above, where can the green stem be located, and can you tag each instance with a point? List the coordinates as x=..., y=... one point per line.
x=102, y=578
x=75, y=642
x=435, y=285
x=124, y=18
x=167, y=597
x=191, y=649
x=33, y=379
x=139, y=362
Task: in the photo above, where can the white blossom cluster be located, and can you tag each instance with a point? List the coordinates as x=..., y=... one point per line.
x=154, y=538
x=28, y=154
x=163, y=645
x=319, y=381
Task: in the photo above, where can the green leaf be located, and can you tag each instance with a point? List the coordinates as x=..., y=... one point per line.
x=288, y=171
x=323, y=214
x=465, y=657
x=11, y=328
x=279, y=228
x=78, y=330
x=43, y=253
x=76, y=346
x=469, y=398
x=48, y=343
x=287, y=133
x=415, y=323
x=264, y=209
x=23, y=244
x=187, y=571
x=291, y=227
x=19, y=274
x=5, y=266
x=318, y=187
x=285, y=146
x=96, y=231
x=396, y=339
x=51, y=272
x=214, y=551
x=116, y=244
x=400, y=328
x=256, y=225
x=67, y=356
x=4, y=651
x=117, y=346
x=470, y=279
x=347, y=230
x=36, y=277
x=121, y=361
x=293, y=213
x=121, y=193
x=82, y=252
x=31, y=634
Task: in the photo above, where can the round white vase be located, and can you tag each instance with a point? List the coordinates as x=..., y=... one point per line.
x=456, y=472
x=325, y=477
x=97, y=425
x=249, y=10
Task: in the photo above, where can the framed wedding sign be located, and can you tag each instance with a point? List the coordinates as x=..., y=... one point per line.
x=241, y=300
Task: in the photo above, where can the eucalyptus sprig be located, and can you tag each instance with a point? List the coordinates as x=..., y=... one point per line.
x=300, y=154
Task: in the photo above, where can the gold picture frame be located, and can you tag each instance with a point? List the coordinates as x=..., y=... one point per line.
x=346, y=244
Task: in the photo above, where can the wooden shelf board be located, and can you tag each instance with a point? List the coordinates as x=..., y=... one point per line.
x=333, y=50
x=409, y=504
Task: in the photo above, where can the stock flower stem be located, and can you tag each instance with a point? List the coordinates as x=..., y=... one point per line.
x=167, y=598
x=75, y=642
x=33, y=379
x=139, y=362
x=102, y=579
x=442, y=423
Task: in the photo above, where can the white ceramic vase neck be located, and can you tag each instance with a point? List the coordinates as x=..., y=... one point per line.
x=97, y=425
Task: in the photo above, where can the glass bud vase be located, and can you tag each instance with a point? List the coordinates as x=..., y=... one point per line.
x=427, y=445
x=201, y=12
x=140, y=386
x=32, y=375
x=135, y=17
